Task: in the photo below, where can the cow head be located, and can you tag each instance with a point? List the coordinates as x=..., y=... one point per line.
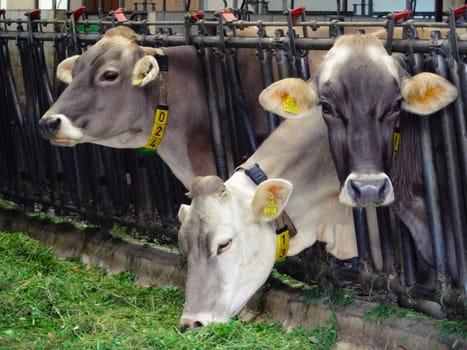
x=361, y=91
x=106, y=101
x=229, y=244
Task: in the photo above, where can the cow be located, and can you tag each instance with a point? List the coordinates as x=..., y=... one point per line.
x=112, y=96
x=364, y=94
x=228, y=232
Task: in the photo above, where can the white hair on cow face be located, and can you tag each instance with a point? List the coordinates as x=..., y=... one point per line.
x=332, y=62
x=345, y=45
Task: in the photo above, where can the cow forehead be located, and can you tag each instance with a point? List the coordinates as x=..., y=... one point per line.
x=107, y=49
x=212, y=215
x=349, y=50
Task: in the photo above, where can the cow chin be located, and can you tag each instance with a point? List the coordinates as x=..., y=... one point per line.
x=367, y=189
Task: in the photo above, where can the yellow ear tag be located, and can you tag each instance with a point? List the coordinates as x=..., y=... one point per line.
x=289, y=105
x=270, y=211
x=137, y=82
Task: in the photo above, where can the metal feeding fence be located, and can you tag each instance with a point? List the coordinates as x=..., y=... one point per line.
x=108, y=185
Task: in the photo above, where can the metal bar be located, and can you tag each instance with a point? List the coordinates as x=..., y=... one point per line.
x=398, y=45
x=408, y=255
x=244, y=24
x=453, y=176
x=363, y=242
x=225, y=55
x=431, y=189
x=240, y=107
x=265, y=58
x=387, y=252
x=214, y=116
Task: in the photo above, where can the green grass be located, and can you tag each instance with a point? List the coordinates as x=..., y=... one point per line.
x=456, y=329
x=47, y=303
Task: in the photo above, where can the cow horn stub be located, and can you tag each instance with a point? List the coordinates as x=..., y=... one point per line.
x=206, y=185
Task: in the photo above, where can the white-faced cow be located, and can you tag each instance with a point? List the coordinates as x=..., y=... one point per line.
x=364, y=94
x=112, y=96
x=228, y=233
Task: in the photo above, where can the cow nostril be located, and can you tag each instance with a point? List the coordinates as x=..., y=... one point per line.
x=197, y=324
x=355, y=187
x=49, y=127
x=190, y=324
x=383, y=190
x=54, y=125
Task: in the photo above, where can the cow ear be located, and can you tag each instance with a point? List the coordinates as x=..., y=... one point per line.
x=64, y=69
x=289, y=98
x=270, y=198
x=145, y=71
x=183, y=212
x=426, y=93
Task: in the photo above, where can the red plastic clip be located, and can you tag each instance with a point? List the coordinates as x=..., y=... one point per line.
x=78, y=12
x=196, y=16
x=228, y=16
x=120, y=15
x=34, y=14
x=2, y=11
x=402, y=15
x=297, y=12
x=459, y=11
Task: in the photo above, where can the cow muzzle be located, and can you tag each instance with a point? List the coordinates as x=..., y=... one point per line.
x=59, y=130
x=196, y=320
x=367, y=189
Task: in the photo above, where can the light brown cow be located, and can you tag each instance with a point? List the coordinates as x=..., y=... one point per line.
x=228, y=232
x=113, y=93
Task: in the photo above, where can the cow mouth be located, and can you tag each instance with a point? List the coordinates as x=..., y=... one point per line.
x=64, y=142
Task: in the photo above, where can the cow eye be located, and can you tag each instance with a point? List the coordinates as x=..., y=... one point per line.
x=398, y=105
x=223, y=247
x=109, y=75
x=326, y=108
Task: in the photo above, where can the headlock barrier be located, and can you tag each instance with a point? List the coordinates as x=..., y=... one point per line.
x=107, y=185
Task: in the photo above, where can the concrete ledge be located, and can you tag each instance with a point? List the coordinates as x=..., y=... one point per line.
x=155, y=266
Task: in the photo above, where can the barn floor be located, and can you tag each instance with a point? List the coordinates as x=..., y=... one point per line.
x=158, y=266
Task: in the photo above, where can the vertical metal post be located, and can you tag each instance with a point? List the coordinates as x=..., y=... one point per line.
x=408, y=255
x=431, y=189
x=100, y=9
x=438, y=10
x=387, y=251
x=265, y=59
x=214, y=116
x=363, y=243
x=458, y=221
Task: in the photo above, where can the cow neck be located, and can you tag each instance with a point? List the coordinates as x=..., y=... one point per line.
x=284, y=226
x=162, y=110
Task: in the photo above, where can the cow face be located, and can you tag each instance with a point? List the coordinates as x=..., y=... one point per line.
x=107, y=100
x=229, y=244
x=361, y=91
